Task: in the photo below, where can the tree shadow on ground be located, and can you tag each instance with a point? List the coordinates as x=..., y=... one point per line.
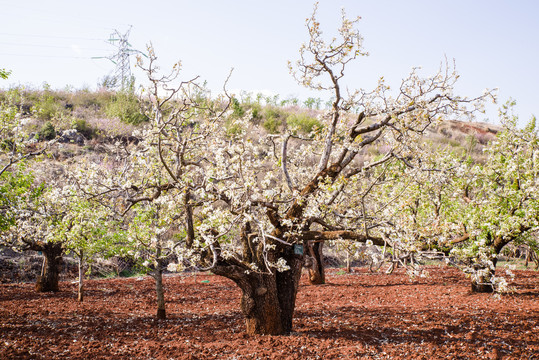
x=420, y=327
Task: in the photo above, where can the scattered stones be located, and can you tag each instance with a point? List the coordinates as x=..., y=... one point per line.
x=71, y=136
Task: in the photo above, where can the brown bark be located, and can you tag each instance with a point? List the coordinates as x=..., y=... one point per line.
x=531, y=256
x=316, y=271
x=52, y=258
x=315, y=236
x=189, y=219
x=463, y=238
x=482, y=283
x=260, y=306
x=287, y=284
x=159, y=290
x=81, y=277
x=268, y=299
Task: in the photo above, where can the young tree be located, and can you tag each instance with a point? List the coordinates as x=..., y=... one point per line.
x=152, y=187
x=151, y=244
x=86, y=229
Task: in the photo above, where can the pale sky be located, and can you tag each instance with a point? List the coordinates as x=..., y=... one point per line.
x=495, y=43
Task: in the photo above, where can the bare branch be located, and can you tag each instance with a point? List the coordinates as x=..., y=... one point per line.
x=283, y=163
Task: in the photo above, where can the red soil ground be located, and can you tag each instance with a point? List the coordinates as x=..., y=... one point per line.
x=361, y=315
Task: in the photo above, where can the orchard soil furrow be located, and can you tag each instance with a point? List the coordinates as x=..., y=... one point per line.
x=353, y=316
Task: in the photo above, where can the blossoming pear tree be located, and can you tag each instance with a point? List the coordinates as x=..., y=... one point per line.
x=499, y=202
x=86, y=229
x=149, y=183
x=468, y=209
x=150, y=243
x=253, y=208
x=17, y=184
x=341, y=191
x=50, y=218
x=415, y=205
x=30, y=220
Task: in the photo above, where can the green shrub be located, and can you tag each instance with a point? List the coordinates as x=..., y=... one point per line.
x=47, y=108
x=303, y=123
x=273, y=119
x=92, y=100
x=271, y=112
x=238, y=110
x=82, y=127
x=47, y=132
x=256, y=112
x=126, y=107
x=272, y=125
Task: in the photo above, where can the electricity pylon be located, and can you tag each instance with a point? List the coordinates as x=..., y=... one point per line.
x=122, y=74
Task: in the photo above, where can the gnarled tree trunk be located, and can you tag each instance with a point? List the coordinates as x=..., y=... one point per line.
x=268, y=299
x=52, y=258
x=260, y=305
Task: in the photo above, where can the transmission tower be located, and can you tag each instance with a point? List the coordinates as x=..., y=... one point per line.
x=122, y=73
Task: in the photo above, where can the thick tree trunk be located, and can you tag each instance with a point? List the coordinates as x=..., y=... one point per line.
x=268, y=299
x=260, y=306
x=317, y=271
x=52, y=258
x=287, y=285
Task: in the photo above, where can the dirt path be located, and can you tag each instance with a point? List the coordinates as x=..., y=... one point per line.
x=360, y=315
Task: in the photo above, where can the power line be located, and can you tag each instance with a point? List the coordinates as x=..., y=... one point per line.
x=52, y=37
x=48, y=46
x=48, y=14
x=49, y=56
